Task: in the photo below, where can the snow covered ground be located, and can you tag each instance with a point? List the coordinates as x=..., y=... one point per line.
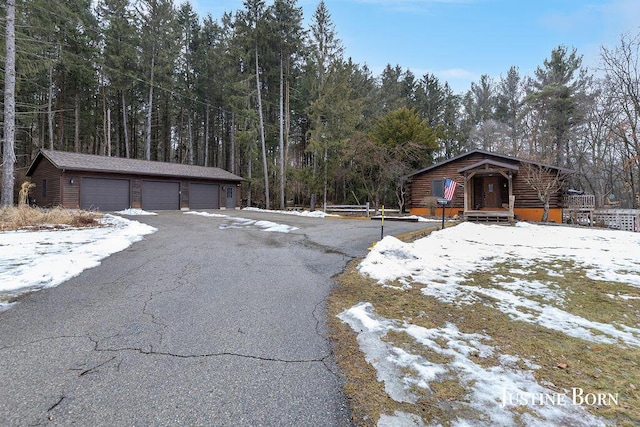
x=441, y=261
x=33, y=260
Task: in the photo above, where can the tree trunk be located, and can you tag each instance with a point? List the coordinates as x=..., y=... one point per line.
x=262, y=138
x=282, y=165
x=104, y=122
x=147, y=135
x=206, y=136
x=190, y=137
x=249, y=176
x=125, y=127
x=109, y=132
x=9, y=156
x=545, y=213
x=232, y=145
x=313, y=197
x=76, y=136
x=50, y=108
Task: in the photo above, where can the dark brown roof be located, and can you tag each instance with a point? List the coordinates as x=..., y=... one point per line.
x=88, y=162
x=499, y=157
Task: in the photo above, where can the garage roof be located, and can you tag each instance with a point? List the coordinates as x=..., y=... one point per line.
x=88, y=162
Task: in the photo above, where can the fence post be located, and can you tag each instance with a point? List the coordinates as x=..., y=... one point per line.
x=367, y=209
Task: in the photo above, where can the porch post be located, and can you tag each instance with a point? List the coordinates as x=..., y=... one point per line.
x=466, y=196
x=511, y=203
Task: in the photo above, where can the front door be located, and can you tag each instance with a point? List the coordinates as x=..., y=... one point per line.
x=491, y=191
x=231, y=197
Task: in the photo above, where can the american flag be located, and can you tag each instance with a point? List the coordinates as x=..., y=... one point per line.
x=449, y=188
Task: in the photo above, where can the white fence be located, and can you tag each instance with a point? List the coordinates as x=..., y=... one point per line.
x=620, y=219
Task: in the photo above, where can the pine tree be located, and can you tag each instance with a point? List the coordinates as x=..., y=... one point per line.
x=287, y=19
x=158, y=38
x=118, y=66
x=508, y=110
x=325, y=62
x=554, y=95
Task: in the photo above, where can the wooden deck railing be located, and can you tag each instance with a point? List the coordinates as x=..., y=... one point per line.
x=580, y=202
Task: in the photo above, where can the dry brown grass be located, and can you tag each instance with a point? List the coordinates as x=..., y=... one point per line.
x=564, y=361
x=25, y=217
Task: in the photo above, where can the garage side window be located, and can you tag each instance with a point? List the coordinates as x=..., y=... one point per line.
x=44, y=188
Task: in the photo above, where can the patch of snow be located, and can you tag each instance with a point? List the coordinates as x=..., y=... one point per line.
x=311, y=214
x=134, y=212
x=32, y=260
x=206, y=214
x=400, y=419
x=496, y=392
x=442, y=260
x=237, y=222
x=263, y=225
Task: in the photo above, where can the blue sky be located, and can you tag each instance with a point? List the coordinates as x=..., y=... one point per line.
x=459, y=40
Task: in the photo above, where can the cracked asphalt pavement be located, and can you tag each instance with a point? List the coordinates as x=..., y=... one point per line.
x=194, y=325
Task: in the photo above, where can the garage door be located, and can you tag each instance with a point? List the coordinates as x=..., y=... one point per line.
x=158, y=195
x=204, y=196
x=104, y=194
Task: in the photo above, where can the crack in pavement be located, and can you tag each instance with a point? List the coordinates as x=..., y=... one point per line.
x=152, y=352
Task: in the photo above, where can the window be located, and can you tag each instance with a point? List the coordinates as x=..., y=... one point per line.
x=437, y=188
x=44, y=188
x=229, y=192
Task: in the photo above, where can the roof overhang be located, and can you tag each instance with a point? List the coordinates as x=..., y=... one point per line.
x=489, y=166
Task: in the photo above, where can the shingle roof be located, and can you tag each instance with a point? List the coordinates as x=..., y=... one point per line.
x=89, y=162
x=495, y=155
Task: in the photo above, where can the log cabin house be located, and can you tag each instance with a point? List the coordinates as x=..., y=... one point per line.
x=490, y=187
x=85, y=181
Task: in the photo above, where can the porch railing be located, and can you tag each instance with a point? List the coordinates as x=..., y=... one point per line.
x=580, y=202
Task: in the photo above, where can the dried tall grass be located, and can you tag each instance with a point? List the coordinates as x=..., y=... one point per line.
x=25, y=217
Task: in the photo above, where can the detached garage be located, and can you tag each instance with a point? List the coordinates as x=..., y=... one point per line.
x=103, y=183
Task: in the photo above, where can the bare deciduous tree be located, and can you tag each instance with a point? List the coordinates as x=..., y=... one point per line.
x=545, y=181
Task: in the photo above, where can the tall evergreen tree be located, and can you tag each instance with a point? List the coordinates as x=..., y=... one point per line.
x=253, y=19
x=120, y=62
x=555, y=95
x=287, y=19
x=325, y=61
x=158, y=40
x=509, y=98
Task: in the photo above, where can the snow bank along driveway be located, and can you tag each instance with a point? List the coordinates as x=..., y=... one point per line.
x=441, y=261
x=32, y=260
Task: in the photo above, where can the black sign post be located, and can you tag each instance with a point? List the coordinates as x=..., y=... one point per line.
x=443, y=202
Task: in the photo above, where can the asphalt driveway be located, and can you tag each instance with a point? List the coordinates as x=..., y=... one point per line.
x=197, y=324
